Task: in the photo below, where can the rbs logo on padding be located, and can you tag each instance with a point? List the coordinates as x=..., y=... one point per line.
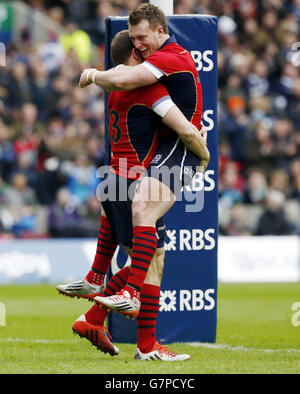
x=195, y=239
x=186, y=300
x=203, y=60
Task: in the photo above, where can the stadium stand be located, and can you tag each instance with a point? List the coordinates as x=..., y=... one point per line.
x=52, y=132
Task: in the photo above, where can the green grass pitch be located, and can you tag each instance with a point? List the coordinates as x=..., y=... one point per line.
x=255, y=335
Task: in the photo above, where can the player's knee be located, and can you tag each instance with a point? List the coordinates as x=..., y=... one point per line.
x=136, y=210
x=140, y=212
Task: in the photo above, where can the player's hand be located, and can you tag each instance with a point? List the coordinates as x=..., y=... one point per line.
x=86, y=77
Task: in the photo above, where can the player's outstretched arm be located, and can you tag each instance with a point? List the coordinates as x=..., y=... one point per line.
x=123, y=78
x=193, y=139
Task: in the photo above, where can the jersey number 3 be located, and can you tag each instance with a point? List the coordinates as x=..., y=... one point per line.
x=115, y=129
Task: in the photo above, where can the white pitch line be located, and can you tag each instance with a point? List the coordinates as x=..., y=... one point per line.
x=241, y=348
x=215, y=346
x=43, y=341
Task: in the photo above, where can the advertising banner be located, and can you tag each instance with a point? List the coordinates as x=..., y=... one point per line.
x=45, y=261
x=259, y=259
x=241, y=259
x=6, y=22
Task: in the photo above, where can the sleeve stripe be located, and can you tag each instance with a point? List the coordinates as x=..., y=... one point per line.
x=155, y=71
x=162, y=106
x=162, y=99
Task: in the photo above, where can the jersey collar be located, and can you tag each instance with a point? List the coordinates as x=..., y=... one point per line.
x=170, y=40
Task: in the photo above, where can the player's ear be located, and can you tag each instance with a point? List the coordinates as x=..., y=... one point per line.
x=160, y=30
x=137, y=55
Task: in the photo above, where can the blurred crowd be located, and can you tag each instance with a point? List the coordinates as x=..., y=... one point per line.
x=52, y=132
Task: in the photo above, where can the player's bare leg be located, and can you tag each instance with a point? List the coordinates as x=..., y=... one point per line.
x=152, y=200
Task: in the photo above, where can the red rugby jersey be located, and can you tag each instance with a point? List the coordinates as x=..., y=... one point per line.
x=176, y=70
x=133, y=128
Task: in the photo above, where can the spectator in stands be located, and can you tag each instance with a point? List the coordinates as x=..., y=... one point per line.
x=273, y=220
x=230, y=188
x=18, y=86
x=3, y=186
x=25, y=165
x=261, y=148
x=279, y=180
x=27, y=127
x=286, y=81
x=82, y=181
x=95, y=149
x=128, y=5
x=58, y=100
x=257, y=83
x=40, y=81
x=7, y=154
x=20, y=201
x=76, y=10
x=77, y=41
x=238, y=222
x=234, y=88
x=234, y=126
x=260, y=109
x=97, y=24
x=6, y=218
x=294, y=7
x=65, y=221
x=256, y=187
x=285, y=146
x=184, y=7
x=295, y=178
x=51, y=54
x=19, y=193
x=25, y=223
x=293, y=104
x=91, y=210
x=269, y=56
